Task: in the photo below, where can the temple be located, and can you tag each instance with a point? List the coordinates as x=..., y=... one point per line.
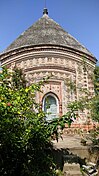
x=46, y=49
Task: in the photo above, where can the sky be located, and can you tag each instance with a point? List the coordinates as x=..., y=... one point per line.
x=80, y=18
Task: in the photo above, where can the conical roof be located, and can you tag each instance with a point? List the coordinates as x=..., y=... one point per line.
x=46, y=31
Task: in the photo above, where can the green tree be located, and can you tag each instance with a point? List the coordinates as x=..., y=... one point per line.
x=25, y=135
x=95, y=100
x=96, y=79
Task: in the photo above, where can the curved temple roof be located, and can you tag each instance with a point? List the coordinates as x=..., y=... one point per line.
x=46, y=31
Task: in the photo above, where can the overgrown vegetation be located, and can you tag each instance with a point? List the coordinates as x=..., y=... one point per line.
x=95, y=103
x=25, y=135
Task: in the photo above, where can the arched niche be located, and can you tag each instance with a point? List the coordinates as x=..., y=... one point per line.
x=51, y=106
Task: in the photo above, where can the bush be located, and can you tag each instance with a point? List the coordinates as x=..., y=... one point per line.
x=25, y=146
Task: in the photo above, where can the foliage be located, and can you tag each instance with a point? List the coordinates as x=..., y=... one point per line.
x=94, y=136
x=95, y=108
x=88, y=102
x=95, y=100
x=25, y=135
x=96, y=79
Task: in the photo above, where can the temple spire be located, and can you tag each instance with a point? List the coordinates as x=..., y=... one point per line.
x=45, y=10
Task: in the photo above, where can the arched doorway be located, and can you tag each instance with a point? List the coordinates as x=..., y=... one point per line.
x=51, y=106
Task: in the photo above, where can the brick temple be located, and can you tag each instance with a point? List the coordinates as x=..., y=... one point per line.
x=46, y=49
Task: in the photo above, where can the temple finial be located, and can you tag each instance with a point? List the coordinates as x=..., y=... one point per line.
x=45, y=11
